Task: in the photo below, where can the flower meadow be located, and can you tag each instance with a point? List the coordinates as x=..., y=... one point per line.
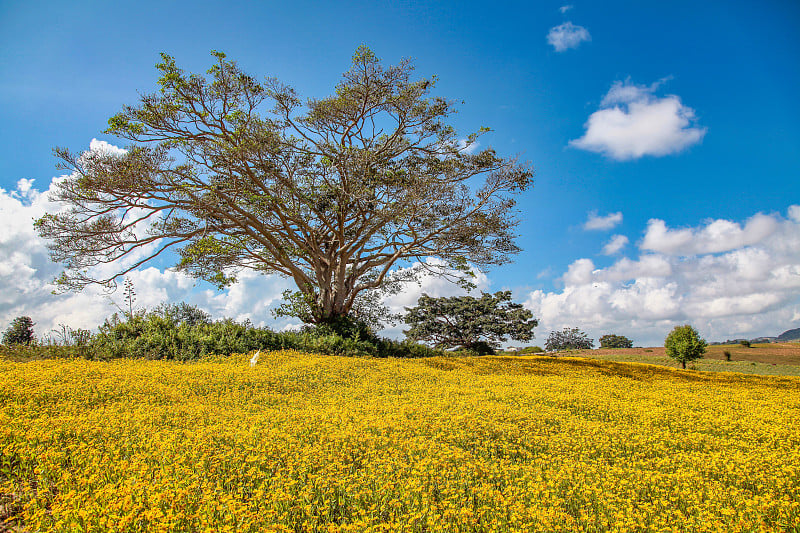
x=302, y=442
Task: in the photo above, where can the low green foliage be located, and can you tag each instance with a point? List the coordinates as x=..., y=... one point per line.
x=183, y=332
x=531, y=349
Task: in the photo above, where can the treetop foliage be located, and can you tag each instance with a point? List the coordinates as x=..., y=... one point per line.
x=469, y=322
x=568, y=339
x=236, y=173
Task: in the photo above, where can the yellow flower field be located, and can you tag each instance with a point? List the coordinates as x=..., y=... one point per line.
x=312, y=443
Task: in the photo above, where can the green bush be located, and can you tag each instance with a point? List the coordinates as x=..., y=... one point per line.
x=184, y=333
x=531, y=349
x=162, y=334
x=746, y=344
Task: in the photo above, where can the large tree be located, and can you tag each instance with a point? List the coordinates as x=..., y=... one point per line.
x=236, y=173
x=469, y=322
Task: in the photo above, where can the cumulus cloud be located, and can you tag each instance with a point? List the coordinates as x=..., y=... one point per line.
x=567, y=35
x=728, y=279
x=597, y=222
x=566, y=8
x=615, y=245
x=716, y=236
x=633, y=122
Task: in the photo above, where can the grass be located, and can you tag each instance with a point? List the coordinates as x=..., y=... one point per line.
x=327, y=444
x=775, y=359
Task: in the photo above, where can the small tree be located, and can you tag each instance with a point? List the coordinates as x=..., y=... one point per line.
x=615, y=341
x=19, y=332
x=479, y=324
x=568, y=339
x=684, y=344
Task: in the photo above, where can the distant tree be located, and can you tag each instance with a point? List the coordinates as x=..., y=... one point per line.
x=615, y=341
x=479, y=324
x=531, y=349
x=568, y=339
x=684, y=344
x=20, y=331
x=333, y=193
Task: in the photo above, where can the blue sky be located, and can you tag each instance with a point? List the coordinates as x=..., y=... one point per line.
x=674, y=123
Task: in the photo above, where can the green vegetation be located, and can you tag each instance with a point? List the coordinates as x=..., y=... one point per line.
x=568, y=339
x=20, y=331
x=466, y=322
x=684, y=344
x=183, y=332
x=615, y=341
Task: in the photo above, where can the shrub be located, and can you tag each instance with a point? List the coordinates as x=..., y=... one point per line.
x=167, y=334
x=684, y=344
x=19, y=332
x=184, y=332
x=615, y=341
x=746, y=344
x=568, y=339
x=531, y=349
x=727, y=355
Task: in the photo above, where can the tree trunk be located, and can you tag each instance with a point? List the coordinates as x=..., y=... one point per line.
x=684, y=364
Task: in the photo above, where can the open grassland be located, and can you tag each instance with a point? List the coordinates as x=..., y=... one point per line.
x=776, y=359
x=311, y=443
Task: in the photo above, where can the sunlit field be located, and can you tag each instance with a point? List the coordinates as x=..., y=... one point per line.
x=775, y=359
x=312, y=443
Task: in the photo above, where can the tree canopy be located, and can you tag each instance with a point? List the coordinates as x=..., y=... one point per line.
x=20, y=331
x=467, y=322
x=568, y=339
x=236, y=173
x=684, y=344
x=612, y=340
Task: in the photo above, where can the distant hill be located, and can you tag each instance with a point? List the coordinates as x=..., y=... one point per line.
x=789, y=335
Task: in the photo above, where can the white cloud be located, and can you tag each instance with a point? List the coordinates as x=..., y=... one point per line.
x=632, y=122
x=566, y=36
x=566, y=8
x=728, y=279
x=615, y=245
x=716, y=236
x=596, y=222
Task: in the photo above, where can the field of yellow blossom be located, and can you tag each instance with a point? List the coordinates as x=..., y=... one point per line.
x=311, y=443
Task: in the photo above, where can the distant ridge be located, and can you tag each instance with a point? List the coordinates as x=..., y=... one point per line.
x=789, y=335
